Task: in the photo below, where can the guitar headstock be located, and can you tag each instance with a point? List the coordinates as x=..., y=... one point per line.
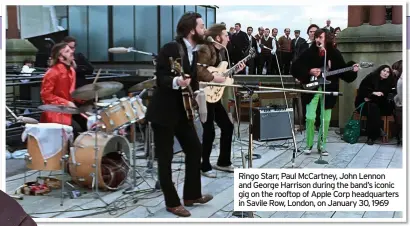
x=366, y=64
x=176, y=67
x=252, y=52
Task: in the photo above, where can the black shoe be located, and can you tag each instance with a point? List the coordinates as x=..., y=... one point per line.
x=370, y=142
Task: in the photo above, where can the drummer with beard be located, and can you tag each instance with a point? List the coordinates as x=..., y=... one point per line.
x=169, y=119
x=57, y=85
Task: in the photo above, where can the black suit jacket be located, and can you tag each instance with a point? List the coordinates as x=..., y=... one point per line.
x=166, y=106
x=84, y=68
x=295, y=47
x=240, y=44
x=310, y=58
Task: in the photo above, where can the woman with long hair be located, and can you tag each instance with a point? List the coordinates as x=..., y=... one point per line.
x=374, y=91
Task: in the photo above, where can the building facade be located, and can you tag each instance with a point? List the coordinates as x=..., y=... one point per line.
x=98, y=28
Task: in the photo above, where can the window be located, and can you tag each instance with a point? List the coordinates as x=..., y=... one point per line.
x=166, y=24
x=98, y=33
x=123, y=31
x=178, y=12
x=210, y=17
x=366, y=14
x=190, y=8
x=389, y=14
x=202, y=10
x=78, y=27
x=146, y=31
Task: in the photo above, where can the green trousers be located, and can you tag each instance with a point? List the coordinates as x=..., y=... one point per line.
x=310, y=122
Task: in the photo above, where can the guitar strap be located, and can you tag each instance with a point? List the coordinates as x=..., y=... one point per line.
x=181, y=53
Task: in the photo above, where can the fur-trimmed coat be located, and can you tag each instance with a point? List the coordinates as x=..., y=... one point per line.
x=311, y=59
x=208, y=55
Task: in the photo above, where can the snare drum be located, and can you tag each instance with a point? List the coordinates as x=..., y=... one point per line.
x=46, y=145
x=117, y=115
x=113, y=166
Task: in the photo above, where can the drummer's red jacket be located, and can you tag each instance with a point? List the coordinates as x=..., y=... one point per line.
x=57, y=86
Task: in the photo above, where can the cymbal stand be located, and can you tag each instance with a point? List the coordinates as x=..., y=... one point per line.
x=63, y=161
x=96, y=174
x=133, y=187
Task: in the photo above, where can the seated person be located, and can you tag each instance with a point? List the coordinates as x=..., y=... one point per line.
x=374, y=90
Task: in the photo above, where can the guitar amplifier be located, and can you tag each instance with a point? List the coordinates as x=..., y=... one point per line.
x=272, y=123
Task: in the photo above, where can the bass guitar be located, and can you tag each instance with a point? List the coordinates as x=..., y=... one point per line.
x=190, y=103
x=315, y=82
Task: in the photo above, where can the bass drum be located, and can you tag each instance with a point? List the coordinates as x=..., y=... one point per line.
x=112, y=160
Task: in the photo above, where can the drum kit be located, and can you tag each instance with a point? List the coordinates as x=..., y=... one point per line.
x=100, y=158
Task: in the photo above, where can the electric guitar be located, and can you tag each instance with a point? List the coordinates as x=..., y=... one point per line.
x=189, y=101
x=315, y=82
x=214, y=93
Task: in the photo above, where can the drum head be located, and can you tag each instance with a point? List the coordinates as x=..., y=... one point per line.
x=114, y=167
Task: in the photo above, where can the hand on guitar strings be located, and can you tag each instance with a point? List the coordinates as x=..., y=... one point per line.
x=184, y=82
x=218, y=78
x=315, y=71
x=241, y=66
x=356, y=67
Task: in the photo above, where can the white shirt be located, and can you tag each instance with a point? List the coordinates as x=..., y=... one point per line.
x=273, y=51
x=309, y=42
x=190, y=50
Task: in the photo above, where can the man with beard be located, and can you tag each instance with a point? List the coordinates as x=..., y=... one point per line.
x=210, y=55
x=82, y=68
x=305, y=98
x=309, y=64
x=167, y=114
x=58, y=84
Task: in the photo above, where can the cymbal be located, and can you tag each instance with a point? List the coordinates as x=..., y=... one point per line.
x=60, y=109
x=148, y=84
x=102, y=89
x=27, y=120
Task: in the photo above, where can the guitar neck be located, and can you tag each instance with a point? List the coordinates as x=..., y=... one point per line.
x=338, y=71
x=234, y=68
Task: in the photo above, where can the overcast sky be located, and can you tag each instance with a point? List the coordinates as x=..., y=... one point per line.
x=281, y=17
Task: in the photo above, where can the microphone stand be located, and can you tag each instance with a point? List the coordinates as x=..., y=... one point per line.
x=250, y=90
x=320, y=161
x=295, y=150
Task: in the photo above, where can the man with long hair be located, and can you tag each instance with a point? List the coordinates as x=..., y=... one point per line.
x=58, y=84
x=310, y=63
x=210, y=55
x=168, y=117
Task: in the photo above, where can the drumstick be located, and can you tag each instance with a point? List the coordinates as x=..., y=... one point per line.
x=84, y=115
x=96, y=77
x=12, y=113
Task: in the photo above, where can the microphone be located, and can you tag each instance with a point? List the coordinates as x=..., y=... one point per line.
x=262, y=46
x=210, y=39
x=119, y=50
x=128, y=50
